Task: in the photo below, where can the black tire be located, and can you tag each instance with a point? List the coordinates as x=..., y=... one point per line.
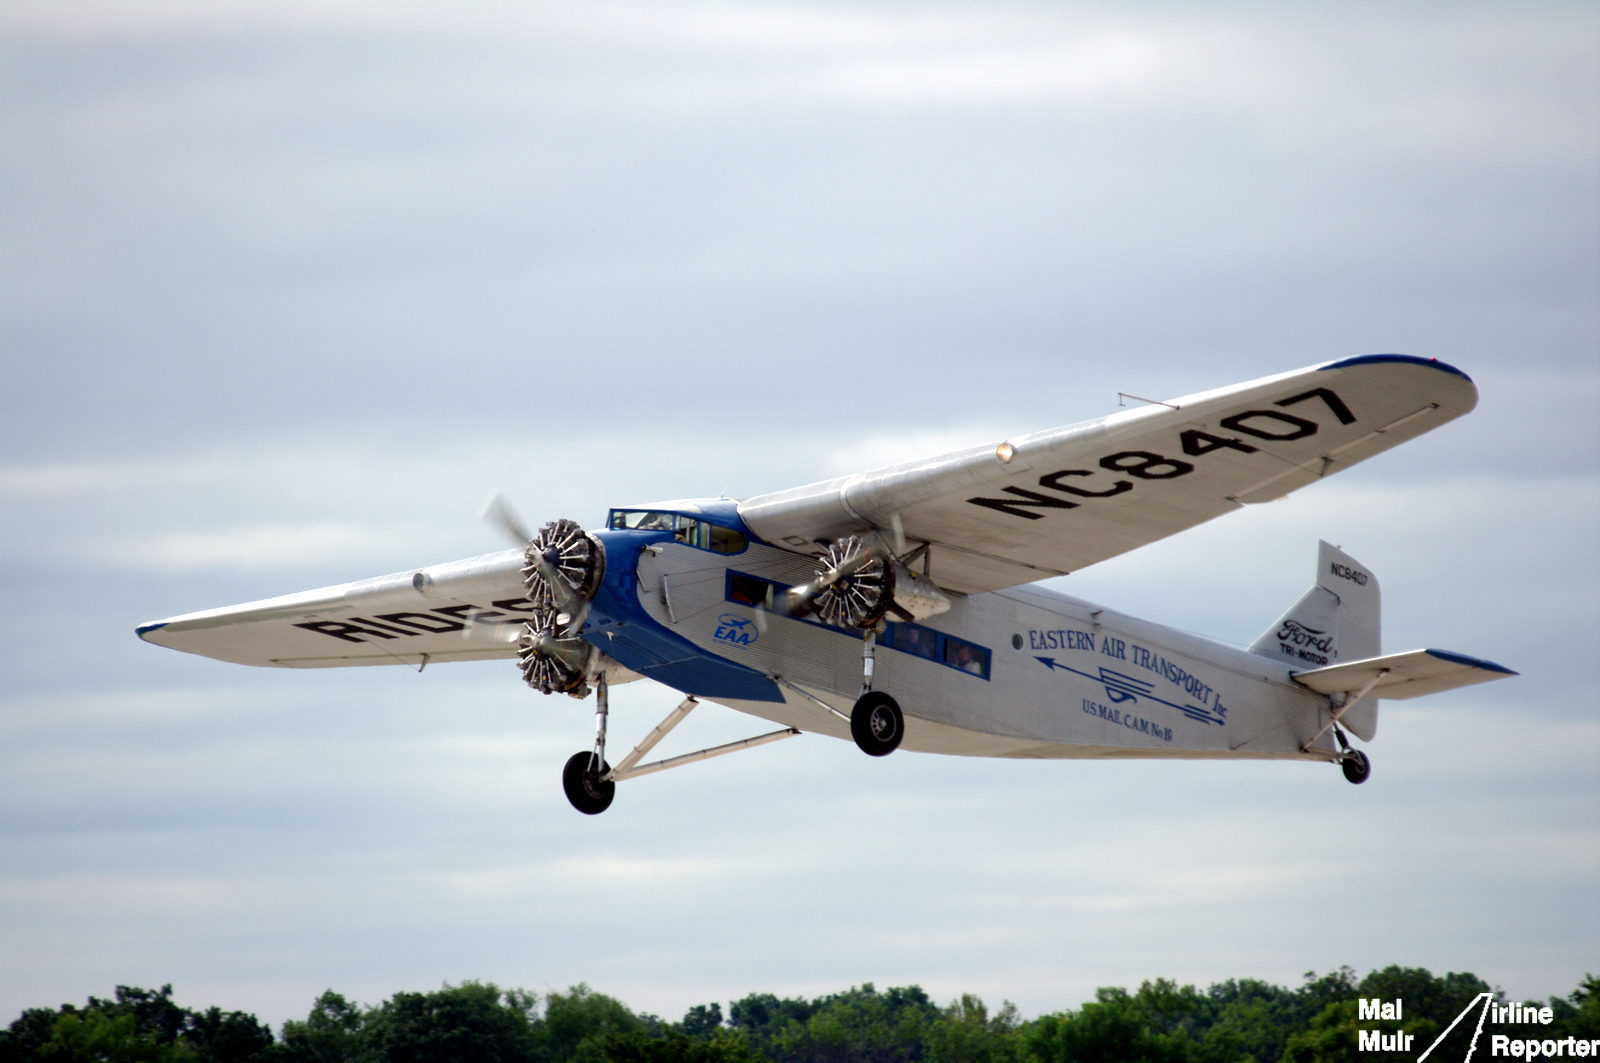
x=876, y=724
x=584, y=787
x=1357, y=768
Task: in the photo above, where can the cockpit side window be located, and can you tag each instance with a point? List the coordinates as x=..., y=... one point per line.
x=725, y=540
x=691, y=532
x=644, y=520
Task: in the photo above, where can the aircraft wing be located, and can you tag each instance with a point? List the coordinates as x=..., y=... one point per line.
x=1051, y=502
x=1398, y=676
x=459, y=611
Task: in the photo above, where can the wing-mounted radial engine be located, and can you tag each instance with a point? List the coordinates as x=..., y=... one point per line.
x=860, y=583
x=565, y=565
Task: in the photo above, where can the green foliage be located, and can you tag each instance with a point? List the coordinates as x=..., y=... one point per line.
x=332, y=1033
x=1579, y=1014
x=1238, y=1021
x=1332, y=1037
x=136, y=1025
x=965, y=1033
x=469, y=1023
x=859, y=1025
x=93, y=1036
x=1112, y=1029
x=672, y=1046
x=702, y=1021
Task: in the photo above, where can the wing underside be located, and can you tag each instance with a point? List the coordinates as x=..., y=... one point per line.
x=466, y=610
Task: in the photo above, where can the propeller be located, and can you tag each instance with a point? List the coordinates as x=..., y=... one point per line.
x=853, y=589
x=498, y=513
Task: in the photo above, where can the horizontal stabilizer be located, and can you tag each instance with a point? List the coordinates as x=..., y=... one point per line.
x=1403, y=675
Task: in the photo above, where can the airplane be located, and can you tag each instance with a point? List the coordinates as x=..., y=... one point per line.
x=894, y=607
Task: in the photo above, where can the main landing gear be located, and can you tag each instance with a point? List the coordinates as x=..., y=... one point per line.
x=590, y=783
x=876, y=722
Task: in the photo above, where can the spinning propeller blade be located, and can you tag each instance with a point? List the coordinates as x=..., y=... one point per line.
x=498, y=512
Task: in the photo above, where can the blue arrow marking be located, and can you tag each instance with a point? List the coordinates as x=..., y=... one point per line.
x=1122, y=688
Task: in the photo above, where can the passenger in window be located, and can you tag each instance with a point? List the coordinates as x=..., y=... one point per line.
x=746, y=591
x=918, y=640
x=965, y=657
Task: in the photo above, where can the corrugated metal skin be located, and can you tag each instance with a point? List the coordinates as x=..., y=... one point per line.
x=1026, y=708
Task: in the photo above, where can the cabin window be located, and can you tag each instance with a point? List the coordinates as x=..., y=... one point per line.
x=915, y=639
x=687, y=530
x=966, y=656
x=931, y=645
x=748, y=590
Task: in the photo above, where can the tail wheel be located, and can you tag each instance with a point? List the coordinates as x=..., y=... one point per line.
x=552, y=661
x=565, y=564
x=586, y=788
x=860, y=599
x=1357, y=767
x=877, y=724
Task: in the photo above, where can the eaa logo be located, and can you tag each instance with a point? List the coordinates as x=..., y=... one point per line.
x=731, y=627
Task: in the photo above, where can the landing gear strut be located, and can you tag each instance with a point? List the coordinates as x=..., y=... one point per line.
x=591, y=783
x=876, y=722
x=585, y=776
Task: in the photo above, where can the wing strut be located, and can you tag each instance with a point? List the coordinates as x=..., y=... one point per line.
x=625, y=769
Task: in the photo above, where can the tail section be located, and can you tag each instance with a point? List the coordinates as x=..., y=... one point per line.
x=1338, y=619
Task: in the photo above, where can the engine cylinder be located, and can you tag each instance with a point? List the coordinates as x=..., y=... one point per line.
x=860, y=598
x=564, y=566
x=553, y=660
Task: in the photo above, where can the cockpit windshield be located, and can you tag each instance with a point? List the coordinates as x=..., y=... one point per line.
x=688, y=530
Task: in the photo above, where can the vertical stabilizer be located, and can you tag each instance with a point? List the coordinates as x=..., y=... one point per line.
x=1337, y=620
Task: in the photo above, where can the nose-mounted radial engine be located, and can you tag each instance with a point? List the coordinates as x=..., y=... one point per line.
x=563, y=570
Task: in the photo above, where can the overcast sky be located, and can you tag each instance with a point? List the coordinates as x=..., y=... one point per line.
x=289, y=288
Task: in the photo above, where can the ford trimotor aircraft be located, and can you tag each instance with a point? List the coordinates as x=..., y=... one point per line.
x=893, y=607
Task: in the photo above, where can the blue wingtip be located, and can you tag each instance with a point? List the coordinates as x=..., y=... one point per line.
x=1473, y=662
x=1372, y=359
x=144, y=629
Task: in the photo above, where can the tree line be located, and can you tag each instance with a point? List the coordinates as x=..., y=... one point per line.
x=1237, y=1021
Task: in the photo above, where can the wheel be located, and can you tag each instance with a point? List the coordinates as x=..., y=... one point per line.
x=876, y=724
x=1356, y=766
x=584, y=788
